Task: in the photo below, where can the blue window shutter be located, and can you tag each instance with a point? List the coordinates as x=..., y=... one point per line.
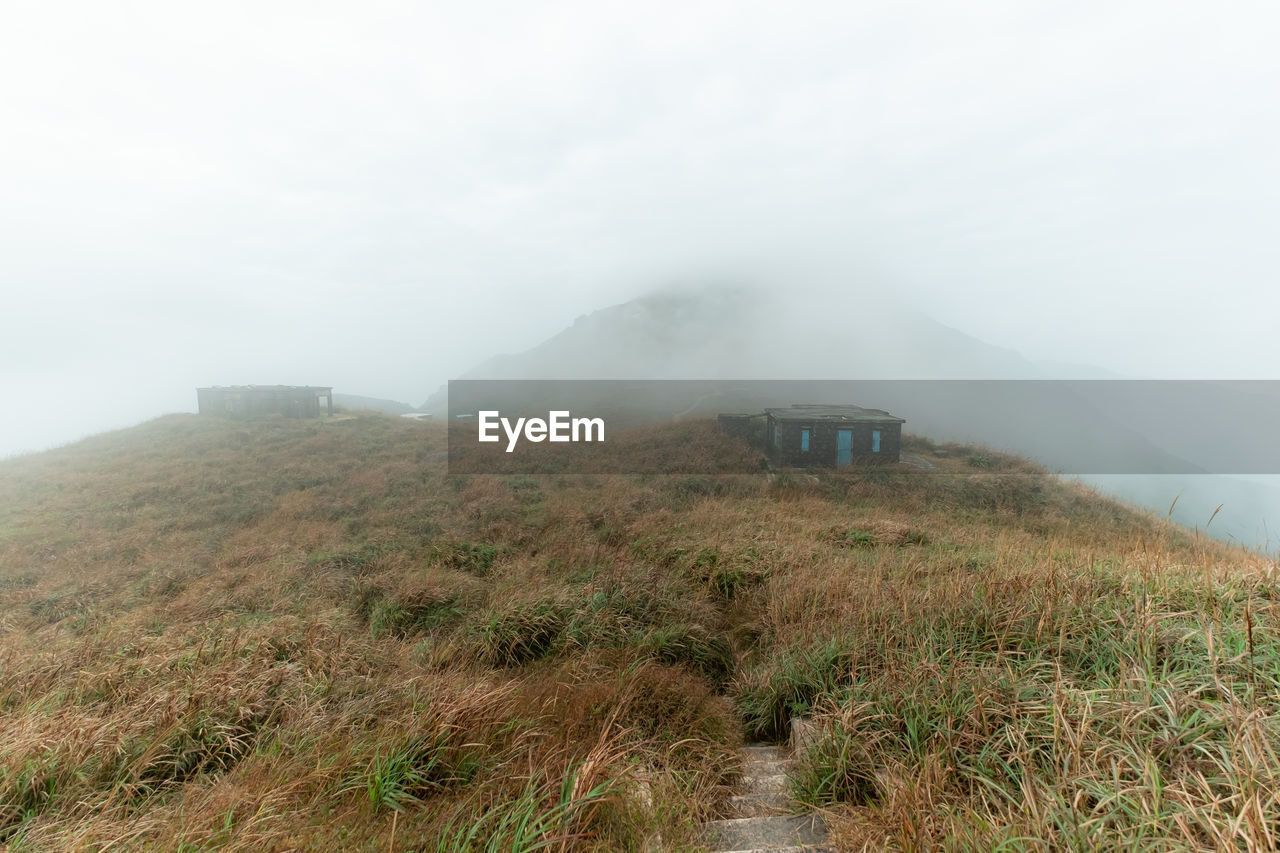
x=804, y=440
x=875, y=441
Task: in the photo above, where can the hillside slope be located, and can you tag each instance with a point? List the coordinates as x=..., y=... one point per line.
x=307, y=635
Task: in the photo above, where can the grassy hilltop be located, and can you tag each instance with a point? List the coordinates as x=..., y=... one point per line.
x=306, y=635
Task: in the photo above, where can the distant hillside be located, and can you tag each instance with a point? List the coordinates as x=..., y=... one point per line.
x=745, y=333
x=354, y=402
x=304, y=634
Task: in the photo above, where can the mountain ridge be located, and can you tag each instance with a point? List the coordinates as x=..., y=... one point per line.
x=741, y=332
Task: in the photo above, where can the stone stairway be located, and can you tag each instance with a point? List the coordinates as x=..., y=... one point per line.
x=762, y=820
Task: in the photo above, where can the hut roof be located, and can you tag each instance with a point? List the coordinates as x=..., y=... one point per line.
x=822, y=412
x=267, y=388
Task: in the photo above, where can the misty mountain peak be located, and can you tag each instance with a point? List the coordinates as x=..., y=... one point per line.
x=739, y=331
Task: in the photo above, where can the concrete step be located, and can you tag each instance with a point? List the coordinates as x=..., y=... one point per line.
x=764, y=752
x=773, y=783
x=764, y=767
x=738, y=835
x=759, y=805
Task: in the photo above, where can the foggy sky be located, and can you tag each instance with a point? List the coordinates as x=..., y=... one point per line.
x=377, y=196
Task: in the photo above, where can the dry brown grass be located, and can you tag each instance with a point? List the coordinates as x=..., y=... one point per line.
x=304, y=635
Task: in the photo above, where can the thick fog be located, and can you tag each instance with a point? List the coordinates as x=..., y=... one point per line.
x=380, y=197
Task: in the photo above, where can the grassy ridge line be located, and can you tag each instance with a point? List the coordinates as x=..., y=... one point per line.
x=300, y=634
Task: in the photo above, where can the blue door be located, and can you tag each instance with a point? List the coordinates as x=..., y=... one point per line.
x=844, y=447
x=875, y=441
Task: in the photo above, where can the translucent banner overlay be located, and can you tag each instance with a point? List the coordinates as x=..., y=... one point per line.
x=719, y=426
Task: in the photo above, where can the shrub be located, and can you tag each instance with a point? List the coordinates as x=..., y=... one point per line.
x=402, y=776
x=542, y=816
x=474, y=558
x=356, y=561
x=787, y=684
x=523, y=633
x=693, y=646
x=839, y=767
x=405, y=616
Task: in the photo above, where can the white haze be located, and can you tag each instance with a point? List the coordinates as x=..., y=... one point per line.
x=379, y=196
